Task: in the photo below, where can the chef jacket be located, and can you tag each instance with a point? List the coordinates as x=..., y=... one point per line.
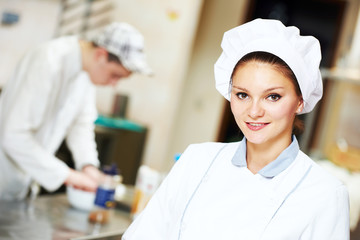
x=211, y=194
x=49, y=98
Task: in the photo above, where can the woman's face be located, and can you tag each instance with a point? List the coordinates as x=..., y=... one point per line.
x=264, y=103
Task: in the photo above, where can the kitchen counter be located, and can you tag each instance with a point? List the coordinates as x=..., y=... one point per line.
x=51, y=217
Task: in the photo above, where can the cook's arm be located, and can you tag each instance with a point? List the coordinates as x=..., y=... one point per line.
x=81, y=138
x=81, y=135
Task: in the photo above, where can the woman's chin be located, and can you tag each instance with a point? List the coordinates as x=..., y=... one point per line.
x=255, y=138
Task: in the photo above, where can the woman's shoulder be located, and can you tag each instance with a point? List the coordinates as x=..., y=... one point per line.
x=214, y=144
x=199, y=156
x=199, y=153
x=319, y=175
x=212, y=147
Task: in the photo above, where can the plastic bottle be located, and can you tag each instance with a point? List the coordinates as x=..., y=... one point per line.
x=177, y=157
x=147, y=181
x=104, y=199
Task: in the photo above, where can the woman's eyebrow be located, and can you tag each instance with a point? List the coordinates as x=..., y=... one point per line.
x=267, y=90
x=240, y=88
x=273, y=88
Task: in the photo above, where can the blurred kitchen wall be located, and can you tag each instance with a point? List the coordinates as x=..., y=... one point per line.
x=37, y=21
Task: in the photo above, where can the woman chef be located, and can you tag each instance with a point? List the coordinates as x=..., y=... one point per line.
x=263, y=187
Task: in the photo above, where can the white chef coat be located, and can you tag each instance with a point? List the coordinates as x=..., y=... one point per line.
x=49, y=98
x=207, y=195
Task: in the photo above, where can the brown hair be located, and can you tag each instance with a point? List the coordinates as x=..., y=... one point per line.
x=111, y=57
x=281, y=66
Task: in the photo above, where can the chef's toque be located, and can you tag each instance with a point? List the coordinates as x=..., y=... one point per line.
x=301, y=53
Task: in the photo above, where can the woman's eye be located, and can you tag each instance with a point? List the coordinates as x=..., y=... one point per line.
x=274, y=97
x=241, y=95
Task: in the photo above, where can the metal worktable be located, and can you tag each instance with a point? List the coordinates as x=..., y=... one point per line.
x=51, y=217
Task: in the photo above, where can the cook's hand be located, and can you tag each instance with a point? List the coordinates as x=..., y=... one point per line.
x=81, y=181
x=94, y=173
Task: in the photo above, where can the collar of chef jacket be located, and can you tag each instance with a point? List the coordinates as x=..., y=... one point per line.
x=273, y=168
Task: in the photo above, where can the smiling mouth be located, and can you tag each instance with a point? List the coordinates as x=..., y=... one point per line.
x=256, y=126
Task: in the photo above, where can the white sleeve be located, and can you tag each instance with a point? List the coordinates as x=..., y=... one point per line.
x=159, y=219
x=81, y=135
x=332, y=220
x=23, y=108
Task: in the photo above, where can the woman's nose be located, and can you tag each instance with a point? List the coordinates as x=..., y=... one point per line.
x=256, y=110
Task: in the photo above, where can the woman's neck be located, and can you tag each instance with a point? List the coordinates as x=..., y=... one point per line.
x=260, y=155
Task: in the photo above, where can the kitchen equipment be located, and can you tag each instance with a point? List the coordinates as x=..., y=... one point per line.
x=80, y=199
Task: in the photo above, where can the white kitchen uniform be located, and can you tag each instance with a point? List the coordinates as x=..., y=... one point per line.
x=49, y=98
x=211, y=194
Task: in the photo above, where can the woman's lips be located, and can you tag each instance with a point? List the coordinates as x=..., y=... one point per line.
x=256, y=126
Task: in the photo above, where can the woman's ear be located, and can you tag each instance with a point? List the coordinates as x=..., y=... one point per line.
x=300, y=106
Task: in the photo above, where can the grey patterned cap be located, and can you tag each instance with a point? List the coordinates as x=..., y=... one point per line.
x=127, y=43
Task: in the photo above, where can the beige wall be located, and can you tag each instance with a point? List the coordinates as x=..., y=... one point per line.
x=34, y=27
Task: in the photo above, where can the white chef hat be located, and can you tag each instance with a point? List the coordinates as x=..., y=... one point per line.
x=301, y=53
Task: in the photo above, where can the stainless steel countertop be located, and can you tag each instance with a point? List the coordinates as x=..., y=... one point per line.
x=51, y=217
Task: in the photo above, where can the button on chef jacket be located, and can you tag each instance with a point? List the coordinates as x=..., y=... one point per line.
x=50, y=97
x=211, y=194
